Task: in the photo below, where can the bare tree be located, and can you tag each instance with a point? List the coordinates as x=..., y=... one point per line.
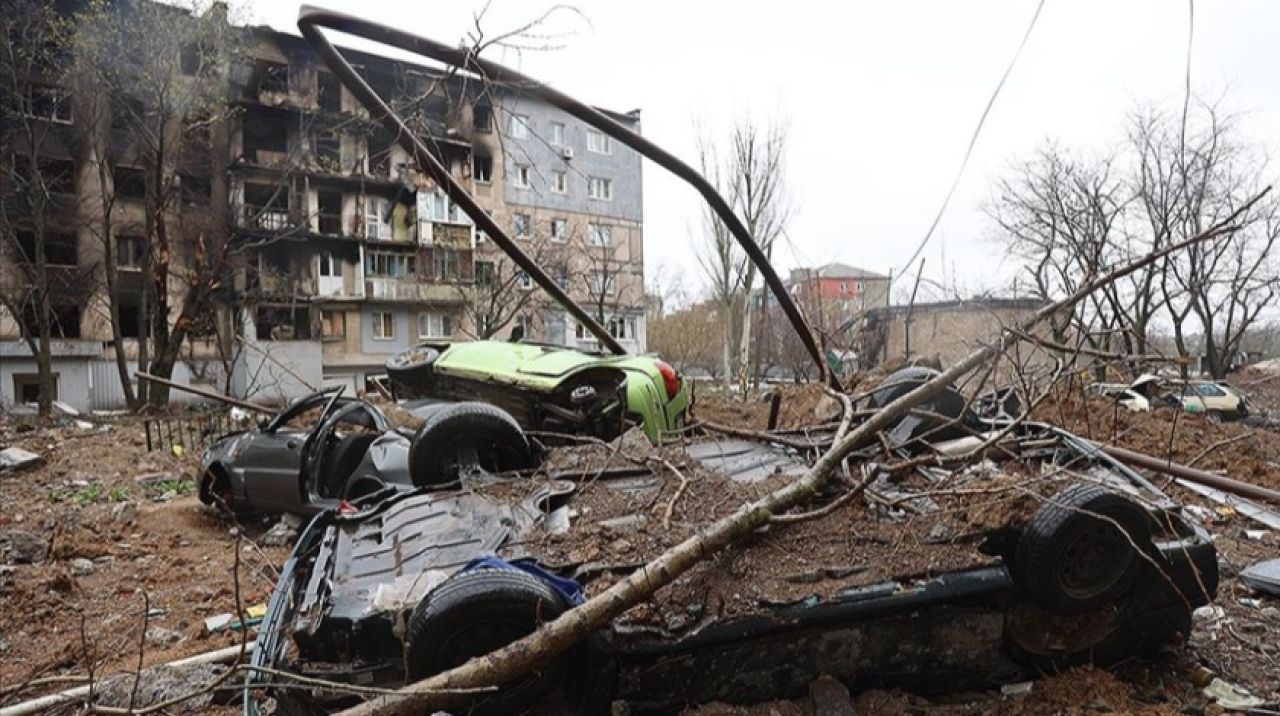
x=37, y=206
x=752, y=176
x=166, y=70
x=1188, y=177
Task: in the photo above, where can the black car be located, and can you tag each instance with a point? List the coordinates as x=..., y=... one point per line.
x=1105, y=568
x=326, y=448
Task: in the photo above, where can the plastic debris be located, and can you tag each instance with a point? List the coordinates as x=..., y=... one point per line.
x=1231, y=697
x=15, y=458
x=1263, y=577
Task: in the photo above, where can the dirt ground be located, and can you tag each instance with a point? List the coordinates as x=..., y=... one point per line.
x=152, y=540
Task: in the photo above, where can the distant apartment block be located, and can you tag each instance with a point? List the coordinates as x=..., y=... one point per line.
x=344, y=252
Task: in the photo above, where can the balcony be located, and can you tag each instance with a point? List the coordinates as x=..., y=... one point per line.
x=401, y=289
x=266, y=218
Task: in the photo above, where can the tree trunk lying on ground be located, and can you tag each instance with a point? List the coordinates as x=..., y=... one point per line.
x=558, y=636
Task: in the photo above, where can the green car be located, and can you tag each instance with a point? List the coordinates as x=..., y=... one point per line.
x=547, y=389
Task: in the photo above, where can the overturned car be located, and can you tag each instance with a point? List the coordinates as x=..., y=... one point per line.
x=1049, y=555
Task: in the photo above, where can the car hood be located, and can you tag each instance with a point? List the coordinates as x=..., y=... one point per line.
x=526, y=363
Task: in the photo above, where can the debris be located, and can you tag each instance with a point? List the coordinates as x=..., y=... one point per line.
x=1017, y=690
x=1231, y=697
x=830, y=697
x=222, y=622
x=124, y=512
x=281, y=534
x=217, y=622
x=1255, y=534
x=1242, y=505
x=160, y=684
x=1263, y=577
x=65, y=409
x=81, y=567
x=154, y=478
x=23, y=547
x=159, y=636
x=83, y=424
x=15, y=458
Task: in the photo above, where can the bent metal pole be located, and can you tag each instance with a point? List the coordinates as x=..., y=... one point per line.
x=310, y=19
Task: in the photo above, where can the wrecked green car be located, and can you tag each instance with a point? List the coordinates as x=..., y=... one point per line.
x=547, y=389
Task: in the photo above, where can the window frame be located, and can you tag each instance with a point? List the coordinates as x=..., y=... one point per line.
x=380, y=322
x=442, y=321
x=559, y=182
x=557, y=134
x=598, y=142
x=521, y=121
x=600, y=235
x=595, y=185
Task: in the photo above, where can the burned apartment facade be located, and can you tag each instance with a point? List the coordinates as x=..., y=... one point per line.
x=342, y=253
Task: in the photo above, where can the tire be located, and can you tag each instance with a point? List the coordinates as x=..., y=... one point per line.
x=1216, y=416
x=1078, y=551
x=474, y=613
x=465, y=436
x=411, y=366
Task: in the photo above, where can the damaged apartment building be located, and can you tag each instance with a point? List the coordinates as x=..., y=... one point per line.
x=342, y=253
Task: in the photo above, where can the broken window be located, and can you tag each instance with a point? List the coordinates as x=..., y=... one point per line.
x=621, y=328
x=266, y=141
x=330, y=212
x=446, y=264
x=524, y=280
x=283, y=323
x=384, y=326
x=377, y=219
x=328, y=149
x=390, y=264
x=434, y=325
x=26, y=387
x=266, y=206
x=130, y=251
x=64, y=320
x=333, y=324
x=520, y=225
x=61, y=248
x=130, y=317
x=48, y=102
x=482, y=168
x=482, y=116
x=484, y=273
x=271, y=76
x=130, y=182
x=57, y=176
x=328, y=92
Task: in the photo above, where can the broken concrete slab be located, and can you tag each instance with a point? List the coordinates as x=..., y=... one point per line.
x=22, y=547
x=1263, y=577
x=830, y=697
x=15, y=458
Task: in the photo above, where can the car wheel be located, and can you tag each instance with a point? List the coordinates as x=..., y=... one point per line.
x=472, y=614
x=465, y=437
x=1215, y=416
x=412, y=363
x=1082, y=549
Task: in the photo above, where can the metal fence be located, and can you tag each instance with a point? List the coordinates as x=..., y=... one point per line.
x=192, y=433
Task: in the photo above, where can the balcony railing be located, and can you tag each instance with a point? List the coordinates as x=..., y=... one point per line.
x=400, y=289
x=267, y=218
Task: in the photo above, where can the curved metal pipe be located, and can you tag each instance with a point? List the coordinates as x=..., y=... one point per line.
x=311, y=18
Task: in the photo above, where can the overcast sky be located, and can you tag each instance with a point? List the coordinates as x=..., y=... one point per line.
x=881, y=97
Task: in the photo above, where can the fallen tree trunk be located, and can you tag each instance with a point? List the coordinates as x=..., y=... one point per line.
x=558, y=636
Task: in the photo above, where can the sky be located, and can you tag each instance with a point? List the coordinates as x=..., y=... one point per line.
x=881, y=98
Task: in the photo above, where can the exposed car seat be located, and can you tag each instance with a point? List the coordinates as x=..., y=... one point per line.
x=343, y=460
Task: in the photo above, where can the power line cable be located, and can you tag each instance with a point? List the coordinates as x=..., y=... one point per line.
x=973, y=141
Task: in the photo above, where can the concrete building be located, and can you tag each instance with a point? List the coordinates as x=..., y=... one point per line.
x=342, y=253
x=948, y=330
